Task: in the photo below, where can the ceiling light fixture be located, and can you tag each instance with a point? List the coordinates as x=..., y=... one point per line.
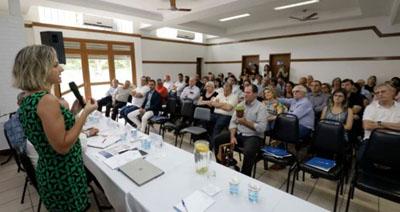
x=296, y=4
x=234, y=17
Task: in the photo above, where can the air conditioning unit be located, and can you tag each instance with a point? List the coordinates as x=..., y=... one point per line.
x=185, y=35
x=98, y=21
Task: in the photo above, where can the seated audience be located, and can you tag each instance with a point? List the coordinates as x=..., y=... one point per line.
x=371, y=82
x=317, y=98
x=364, y=91
x=168, y=84
x=107, y=100
x=138, y=95
x=235, y=87
x=218, y=85
x=119, y=99
x=288, y=90
x=310, y=79
x=280, y=86
x=150, y=107
x=198, y=81
x=326, y=89
x=224, y=105
x=356, y=103
x=191, y=92
x=273, y=106
x=301, y=107
x=179, y=85
x=205, y=98
x=336, y=84
x=337, y=110
x=382, y=113
x=163, y=91
x=247, y=131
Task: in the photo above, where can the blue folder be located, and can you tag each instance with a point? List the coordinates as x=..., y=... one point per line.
x=321, y=163
x=276, y=152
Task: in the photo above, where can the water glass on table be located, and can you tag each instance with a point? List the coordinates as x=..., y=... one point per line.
x=234, y=186
x=254, y=190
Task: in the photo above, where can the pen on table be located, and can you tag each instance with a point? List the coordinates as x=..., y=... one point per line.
x=184, y=206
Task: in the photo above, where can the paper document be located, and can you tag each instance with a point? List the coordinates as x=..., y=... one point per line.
x=102, y=142
x=196, y=202
x=122, y=159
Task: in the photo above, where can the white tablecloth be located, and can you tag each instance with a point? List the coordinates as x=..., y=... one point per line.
x=180, y=180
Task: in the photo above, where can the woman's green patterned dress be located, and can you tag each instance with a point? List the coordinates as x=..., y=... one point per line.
x=61, y=179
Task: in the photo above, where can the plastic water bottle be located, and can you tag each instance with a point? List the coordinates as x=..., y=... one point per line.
x=253, y=192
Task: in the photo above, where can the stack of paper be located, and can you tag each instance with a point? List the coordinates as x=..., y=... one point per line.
x=321, y=163
x=196, y=202
x=122, y=159
x=102, y=142
x=276, y=152
x=114, y=150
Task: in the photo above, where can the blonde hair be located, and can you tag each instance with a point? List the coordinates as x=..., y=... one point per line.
x=210, y=83
x=32, y=67
x=272, y=90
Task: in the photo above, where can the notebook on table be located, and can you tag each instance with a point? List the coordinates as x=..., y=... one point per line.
x=141, y=171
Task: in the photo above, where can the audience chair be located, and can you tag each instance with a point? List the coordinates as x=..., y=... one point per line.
x=168, y=114
x=328, y=143
x=30, y=176
x=378, y=167
x=200, y=114
x=286, y=130
x=183, y=120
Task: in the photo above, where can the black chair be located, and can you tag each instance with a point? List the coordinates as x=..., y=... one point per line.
x=286, y=130
x=200, y=114
x=13, y=153
x=30, y=176
x=378, y=168
x=168, y=114
x=328, y=143
x=184, y=119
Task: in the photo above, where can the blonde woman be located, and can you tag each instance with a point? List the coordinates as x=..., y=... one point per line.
x=272, y=105
x=52, y=129
x=205, y=98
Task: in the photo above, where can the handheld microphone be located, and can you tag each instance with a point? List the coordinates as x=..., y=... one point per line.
x=77, y=94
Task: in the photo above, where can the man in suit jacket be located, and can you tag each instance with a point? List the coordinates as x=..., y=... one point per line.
x=149, y=108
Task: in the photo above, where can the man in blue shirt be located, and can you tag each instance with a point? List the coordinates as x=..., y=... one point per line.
x=301, y=107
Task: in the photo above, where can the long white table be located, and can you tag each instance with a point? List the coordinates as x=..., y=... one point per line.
x=180, y=180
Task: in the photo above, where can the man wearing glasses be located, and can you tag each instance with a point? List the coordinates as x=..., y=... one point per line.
x=301, y=107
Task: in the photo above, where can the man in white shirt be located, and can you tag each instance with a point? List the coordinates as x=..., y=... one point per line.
x=179, y=85
x=382, y=113
x=138, y=95
x=107, y=100
x=235, y=87
x=224, y=105
x=119, y=99
x=191, y=92
x=168, y=84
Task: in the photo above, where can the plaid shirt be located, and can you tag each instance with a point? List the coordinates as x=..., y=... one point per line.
x=15, y=133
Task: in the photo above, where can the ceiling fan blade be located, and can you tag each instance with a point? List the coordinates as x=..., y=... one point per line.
x=296, y=18
x=311, y=16
x=172, y=3
x=184, y=9
x=310, y=19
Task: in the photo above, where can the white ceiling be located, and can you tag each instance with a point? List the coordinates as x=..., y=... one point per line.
x=205, y=13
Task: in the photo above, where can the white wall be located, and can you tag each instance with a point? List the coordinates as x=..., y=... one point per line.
x=349, y=44
x=12, y=39
x=168, y=51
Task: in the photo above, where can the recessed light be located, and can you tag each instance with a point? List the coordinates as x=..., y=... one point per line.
x=296, y=4
x=234, y=17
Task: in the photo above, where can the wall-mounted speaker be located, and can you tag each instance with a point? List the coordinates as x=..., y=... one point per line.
x=55, y=40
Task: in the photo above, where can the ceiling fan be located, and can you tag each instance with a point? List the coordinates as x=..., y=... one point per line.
x=174, y=8
x=310, y=17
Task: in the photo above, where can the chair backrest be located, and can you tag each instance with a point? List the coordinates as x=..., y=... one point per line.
x=171, y=106
x=202, y=113
x=329, y=138
x=383, y=148
x=187, y=108
x=286, y=128
x=28, y=167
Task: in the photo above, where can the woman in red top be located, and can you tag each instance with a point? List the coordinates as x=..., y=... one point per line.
x=162, y=91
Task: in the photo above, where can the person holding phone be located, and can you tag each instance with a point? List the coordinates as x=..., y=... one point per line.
x=52, y=129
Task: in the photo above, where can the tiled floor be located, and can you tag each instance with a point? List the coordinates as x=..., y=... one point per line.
x=318, y=191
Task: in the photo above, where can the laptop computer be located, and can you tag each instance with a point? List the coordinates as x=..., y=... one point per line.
x=141, y=171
